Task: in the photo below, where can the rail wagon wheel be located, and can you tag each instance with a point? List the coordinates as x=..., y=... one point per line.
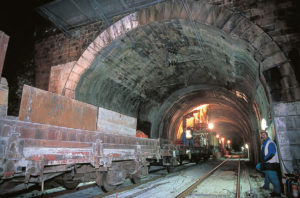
x=170, y=169
x=198, y=160
x=105, y=185
x=67, y=182
x=136, y=178
x=206, y=157
x=70, y=184
x=181, y=161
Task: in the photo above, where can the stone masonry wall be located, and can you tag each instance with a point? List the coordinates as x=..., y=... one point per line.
x=287, y=126
x=60, y=49
x=279, y=19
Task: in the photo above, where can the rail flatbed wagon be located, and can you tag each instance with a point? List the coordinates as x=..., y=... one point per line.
x=58, y=138
x=32, y=153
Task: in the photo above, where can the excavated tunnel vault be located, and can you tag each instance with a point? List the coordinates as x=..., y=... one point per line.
x=160, y=70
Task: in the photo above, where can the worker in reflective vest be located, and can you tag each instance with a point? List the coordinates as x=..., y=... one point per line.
x=269, y=164
x=187, y=137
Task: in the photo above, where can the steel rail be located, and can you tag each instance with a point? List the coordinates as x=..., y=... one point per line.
x=190, y=189
x=238, y=180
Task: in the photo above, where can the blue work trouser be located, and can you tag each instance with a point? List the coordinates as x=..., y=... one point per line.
x=270, y=176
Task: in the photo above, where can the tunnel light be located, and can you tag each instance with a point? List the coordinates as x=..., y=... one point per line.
x=263, y=124
x=222, y=139
x=228, y=141
x=247, y=147
x=217, y=136
x=188, y=134
x=210, y=126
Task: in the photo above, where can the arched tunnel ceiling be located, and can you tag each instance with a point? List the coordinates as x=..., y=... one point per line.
x=149, y=63
x=140, y=70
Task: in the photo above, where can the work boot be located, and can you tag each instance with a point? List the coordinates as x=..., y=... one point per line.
x=264, y=188
x=275, y=194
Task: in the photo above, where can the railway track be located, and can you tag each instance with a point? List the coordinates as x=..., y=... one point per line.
x=133, y=186
x=153, y=175
x=192, y=187
x=180, y=178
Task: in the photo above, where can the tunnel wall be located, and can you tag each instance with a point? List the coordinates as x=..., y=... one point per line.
x=287, y=126
x=54, y=49
x=60, y=49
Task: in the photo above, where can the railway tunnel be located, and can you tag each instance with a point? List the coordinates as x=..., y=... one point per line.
x=157, y=66
x=159, y=60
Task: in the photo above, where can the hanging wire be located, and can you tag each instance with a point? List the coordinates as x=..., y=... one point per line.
x=196, y=32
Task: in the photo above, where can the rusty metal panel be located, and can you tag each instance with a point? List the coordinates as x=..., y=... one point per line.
x=115, y=123
x=3, y=97
x=58, y=77
x=3, y=46
x=44, y=107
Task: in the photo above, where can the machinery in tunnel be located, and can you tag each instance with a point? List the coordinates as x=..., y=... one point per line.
x=203, y=134
x=202, y=141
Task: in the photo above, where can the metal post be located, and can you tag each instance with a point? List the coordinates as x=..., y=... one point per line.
x=238, y=181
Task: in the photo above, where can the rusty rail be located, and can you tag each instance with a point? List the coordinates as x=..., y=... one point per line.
x=238, y=180
x=190, y=189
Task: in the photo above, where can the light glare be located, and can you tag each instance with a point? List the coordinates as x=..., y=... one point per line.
x=263, y=124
